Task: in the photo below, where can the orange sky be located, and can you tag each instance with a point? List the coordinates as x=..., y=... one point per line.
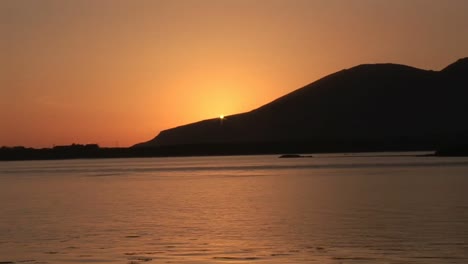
x=117, y=72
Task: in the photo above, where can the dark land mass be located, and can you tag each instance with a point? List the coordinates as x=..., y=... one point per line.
x=372, y=107
x=453, y=151
x=367, y=107
x=81, y=152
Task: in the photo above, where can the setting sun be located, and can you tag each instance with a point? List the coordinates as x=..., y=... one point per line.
x=221, y=117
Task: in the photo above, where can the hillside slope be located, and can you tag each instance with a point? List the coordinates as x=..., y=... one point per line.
x=377, y=104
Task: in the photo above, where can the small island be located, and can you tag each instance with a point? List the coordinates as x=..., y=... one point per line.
x=293, y=156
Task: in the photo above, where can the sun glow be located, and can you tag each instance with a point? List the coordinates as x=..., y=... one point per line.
x=221, y=117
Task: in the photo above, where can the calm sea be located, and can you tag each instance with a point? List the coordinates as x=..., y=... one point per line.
x=245, y=209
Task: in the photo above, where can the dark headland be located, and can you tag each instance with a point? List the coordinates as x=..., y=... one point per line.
x=371, y=107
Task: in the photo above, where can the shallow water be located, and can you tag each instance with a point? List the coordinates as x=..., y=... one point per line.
x=249, y=209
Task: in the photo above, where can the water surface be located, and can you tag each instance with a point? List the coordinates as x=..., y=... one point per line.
x=246, y=209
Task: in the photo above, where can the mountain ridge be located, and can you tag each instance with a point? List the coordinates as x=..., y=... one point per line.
x=377, y=103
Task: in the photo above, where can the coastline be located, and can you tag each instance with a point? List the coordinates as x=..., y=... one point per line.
x=96, y=152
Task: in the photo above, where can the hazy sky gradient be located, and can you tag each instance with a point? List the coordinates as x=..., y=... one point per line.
x=118, y=72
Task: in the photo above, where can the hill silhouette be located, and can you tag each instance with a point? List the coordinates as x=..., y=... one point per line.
x=367, y=107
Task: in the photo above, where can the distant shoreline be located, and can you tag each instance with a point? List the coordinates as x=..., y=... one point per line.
x=96, y=152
